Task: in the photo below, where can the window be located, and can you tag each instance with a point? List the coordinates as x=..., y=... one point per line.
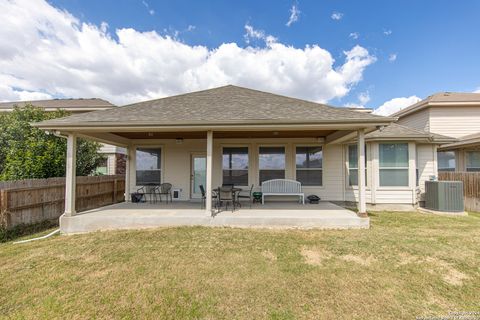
x=353, y=165
x=446, y=160
x=393, y=164
x=235, y=166
x=473, y=161
x=148, y=163
x=271, y=163
x=309, y=165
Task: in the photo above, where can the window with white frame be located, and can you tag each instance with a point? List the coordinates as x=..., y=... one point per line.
x=309, y=165
x=393, y=164
x=149, y=169
x=473, y=161
x=271, y=163
x=446, y=160
x=353, y=165
x=235, y=165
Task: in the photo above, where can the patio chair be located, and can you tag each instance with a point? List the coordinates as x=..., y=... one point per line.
x=164, y=189
x=204, y=196
x=226, y=196
x=228, y=185
x=248, y=196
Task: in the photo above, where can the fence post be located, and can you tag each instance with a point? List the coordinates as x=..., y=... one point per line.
x=4, y=216
x=115, y=190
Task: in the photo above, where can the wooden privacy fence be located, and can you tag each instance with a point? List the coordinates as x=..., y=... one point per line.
x=471, y=187
x=36, y=200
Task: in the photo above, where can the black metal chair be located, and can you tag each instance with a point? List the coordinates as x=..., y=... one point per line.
x=248, y=196
x=204, y=196
x=164, y=189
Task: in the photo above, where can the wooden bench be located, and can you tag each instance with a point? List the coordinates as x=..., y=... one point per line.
x=282, y=187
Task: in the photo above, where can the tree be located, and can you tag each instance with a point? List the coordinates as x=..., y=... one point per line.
x=27, y=152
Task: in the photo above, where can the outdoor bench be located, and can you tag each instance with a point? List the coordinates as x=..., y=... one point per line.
x=282, y=187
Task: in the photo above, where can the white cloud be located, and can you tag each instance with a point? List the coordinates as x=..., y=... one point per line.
x=392, y=57
x=387, y=32
x=354, y=35
x=252, y=34
x=10, y=94
x=363, y=99
x=294, y=15
x=44, y=50
x=337, y=15
x=477, y=90
x=150, y=11
x=395, y=105
x=191, y=27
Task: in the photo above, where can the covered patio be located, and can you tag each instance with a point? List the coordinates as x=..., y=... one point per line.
x=228, y=134
x=127, y=215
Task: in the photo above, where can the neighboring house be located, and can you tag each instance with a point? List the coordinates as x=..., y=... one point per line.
x=243, y=136
x=114, y=156
x=451, y=114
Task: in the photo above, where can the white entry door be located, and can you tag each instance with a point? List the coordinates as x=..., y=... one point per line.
x=198, y=175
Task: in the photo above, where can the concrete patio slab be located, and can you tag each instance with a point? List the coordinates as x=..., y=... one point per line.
x=324, y=215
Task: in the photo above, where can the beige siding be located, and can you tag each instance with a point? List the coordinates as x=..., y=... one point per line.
x=427, y=164
x=455, y=121
x=418, y=120
x=176, y=164
x=403, y=196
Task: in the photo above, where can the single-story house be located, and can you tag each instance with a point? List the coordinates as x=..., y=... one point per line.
x=242, y=136
x=453, y=114
x=114, y=162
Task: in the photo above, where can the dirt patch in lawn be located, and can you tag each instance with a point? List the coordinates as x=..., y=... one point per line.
x=269, y=255
x=315, y=256
x=448, y=273
x=364, y=261
x=434, y=265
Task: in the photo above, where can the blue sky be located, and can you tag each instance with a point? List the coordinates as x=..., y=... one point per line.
x=417, y=47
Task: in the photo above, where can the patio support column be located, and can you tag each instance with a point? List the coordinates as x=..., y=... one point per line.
x=70, y=176
x=208, y=196
x=362, y=206
x=127, y=174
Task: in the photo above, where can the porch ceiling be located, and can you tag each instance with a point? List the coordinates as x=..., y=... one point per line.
x=225, y=134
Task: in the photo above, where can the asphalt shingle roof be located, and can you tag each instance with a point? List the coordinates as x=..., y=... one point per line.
x=395, y=130
x=228, y=104
x=60, y=104
x=450, y=98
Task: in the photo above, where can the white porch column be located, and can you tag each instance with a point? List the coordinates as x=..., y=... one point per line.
x=208, y=200
x=127, y=174
x=71, y=174
x=362, y=206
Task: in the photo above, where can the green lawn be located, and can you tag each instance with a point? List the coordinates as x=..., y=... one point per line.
x=406, y=265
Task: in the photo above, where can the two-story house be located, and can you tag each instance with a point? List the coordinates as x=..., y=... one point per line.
x=451, y=114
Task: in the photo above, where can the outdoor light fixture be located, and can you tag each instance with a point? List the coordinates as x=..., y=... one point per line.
x=179, y=140
x=150, y=134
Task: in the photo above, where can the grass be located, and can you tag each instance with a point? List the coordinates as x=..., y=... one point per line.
x=24, y=230
x=406, y=265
